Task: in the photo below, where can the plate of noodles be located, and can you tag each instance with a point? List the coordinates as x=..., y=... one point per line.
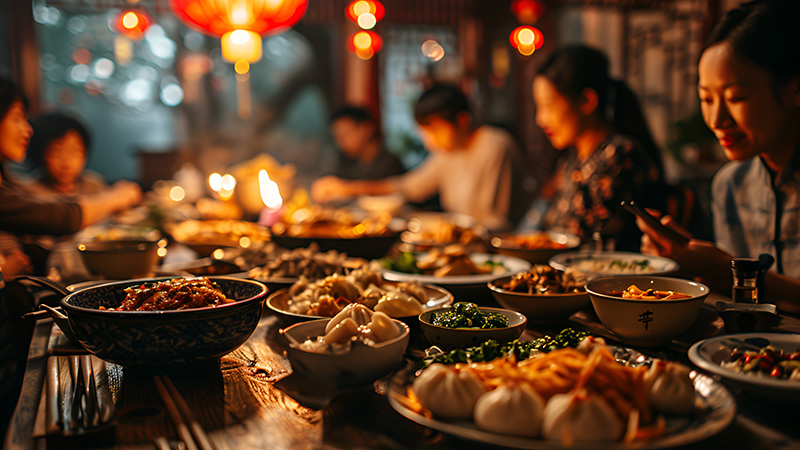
x=708, y=407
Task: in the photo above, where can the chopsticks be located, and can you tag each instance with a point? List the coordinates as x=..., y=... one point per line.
x=189, y=430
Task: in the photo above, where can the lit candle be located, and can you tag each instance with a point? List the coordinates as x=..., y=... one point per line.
x=222, y=185
x=271, y=196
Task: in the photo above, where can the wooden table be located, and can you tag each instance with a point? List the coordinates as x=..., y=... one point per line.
x=254, y=401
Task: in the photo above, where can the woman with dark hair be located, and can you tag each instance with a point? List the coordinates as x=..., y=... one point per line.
x=20, y=213
x=470, y=167
x=60, y=149
x=749, y=88
x=612, y=156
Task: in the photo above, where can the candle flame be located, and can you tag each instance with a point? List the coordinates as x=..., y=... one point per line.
x=215, y=182
x=270, y=194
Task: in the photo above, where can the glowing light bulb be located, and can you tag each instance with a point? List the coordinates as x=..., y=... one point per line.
x=367, y=21
x=130, y=20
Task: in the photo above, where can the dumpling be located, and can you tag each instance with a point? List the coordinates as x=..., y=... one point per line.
x=589, y=343
x=372, y=295
x=398, y=304
x=380, y=329
x=669, y=388
x=343, y=332
x=510, y=409
x=570, y=417
x=448, y=392
x=360, y=314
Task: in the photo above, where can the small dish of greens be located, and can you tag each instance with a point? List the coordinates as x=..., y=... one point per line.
x=465, y=325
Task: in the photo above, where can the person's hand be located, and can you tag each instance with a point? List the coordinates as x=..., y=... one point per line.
x=126, y=193
x=701, y=260
x=330, y=188
x=15, y=262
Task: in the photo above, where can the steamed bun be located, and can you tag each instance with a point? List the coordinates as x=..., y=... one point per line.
x=448, y=392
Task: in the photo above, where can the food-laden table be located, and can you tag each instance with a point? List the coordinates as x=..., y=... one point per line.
x=253, y=400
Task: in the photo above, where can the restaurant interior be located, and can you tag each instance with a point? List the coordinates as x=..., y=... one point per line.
x=363, y=224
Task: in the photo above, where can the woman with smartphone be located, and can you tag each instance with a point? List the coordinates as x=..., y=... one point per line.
x=749, y=89
x=611, y=155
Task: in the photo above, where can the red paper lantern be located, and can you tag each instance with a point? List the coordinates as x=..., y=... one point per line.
x=217, y=17
x=365, y=44
x=526, y=39
x=359, y=7
x=527, y=11
x=132, y=23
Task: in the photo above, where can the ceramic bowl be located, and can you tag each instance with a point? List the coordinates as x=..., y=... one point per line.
x=161, y=339
x=539, y=308
x=505, y=244
x=450, y=338
x=646, y=323
x=363, y=364
x=119, y=259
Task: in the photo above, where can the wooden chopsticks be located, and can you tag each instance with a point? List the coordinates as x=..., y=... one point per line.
x=189, y=430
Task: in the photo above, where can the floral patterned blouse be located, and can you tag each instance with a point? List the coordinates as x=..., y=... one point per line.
x=588, y=198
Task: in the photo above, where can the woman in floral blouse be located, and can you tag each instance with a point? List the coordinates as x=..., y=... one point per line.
x=611, y=154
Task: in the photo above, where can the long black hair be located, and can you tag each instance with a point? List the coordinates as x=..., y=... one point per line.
x=766, y=32
x=10, y=92
x=577, y=67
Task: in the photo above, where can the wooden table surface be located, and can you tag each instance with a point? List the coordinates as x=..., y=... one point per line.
x=254, y=401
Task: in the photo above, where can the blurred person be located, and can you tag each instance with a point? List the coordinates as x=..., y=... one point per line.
x=22, y=213
x=610, y=157
x=363, y=155
x=749, y=89
x=470, y=167
x=60, y=149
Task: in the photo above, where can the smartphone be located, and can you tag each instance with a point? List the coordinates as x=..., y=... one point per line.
x=654, y=223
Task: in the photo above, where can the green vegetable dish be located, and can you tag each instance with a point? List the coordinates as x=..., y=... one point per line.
x=468, y=315
x=492, y=349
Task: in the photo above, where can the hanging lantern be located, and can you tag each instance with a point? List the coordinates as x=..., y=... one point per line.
x=526, y=39
x=527, y=11
x=223, y=18
x=365, y=13
x=132, y=23
x=365, y=44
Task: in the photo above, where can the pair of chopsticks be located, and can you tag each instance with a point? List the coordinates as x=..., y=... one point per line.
x=189, y=430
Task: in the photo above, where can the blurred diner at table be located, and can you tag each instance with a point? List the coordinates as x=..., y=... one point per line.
x=23, y=213
x=470, y=166
x=611, y=154
x=749, y=88
x=362, y=153
x=59, y=151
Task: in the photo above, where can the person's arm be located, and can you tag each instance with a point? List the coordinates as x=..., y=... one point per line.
x=122, y=195
x=331, y=188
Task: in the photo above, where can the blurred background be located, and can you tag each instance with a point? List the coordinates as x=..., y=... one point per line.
x=160, y=94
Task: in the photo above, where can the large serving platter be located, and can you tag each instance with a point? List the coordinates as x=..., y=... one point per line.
x=512, y=264
x=709, y=355
x=715, y=409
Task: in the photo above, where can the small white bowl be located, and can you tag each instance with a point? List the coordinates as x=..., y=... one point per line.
x=539, y=308
x=646, y=323
x=363, y=364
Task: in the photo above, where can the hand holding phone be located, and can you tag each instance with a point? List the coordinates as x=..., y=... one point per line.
x=654, y=223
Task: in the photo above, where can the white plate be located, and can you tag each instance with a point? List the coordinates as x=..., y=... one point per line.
x=512, y=264
x=583, y=261
x=715, y=409
x=709, y=354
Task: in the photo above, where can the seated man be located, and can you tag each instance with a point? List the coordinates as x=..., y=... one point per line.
x=470, y=167
x=362, y=154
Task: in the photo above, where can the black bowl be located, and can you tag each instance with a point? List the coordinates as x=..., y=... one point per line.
x=158, y=340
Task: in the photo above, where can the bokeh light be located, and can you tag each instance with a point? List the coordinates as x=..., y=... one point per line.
x=172, y=94
x=433, y=50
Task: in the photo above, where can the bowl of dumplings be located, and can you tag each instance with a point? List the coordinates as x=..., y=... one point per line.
x=646, y=311
x=354, y=348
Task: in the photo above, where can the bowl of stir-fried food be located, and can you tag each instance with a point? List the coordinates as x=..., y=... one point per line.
x=543, y=294
x=644, y=310
x=535, y=246
x=367, y=237
x=163, y=323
